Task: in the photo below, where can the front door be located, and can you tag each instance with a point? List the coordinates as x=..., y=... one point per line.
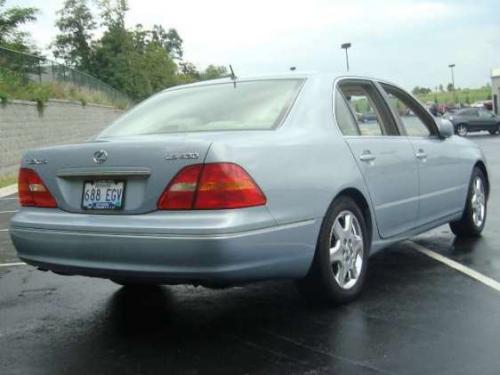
x=443, y=179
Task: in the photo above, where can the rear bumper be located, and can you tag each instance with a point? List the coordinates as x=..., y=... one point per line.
x=228, y=254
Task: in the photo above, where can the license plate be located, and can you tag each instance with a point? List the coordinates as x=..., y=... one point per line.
x=103, y=195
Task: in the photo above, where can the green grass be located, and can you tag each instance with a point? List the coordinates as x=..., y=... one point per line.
x=14, y=86
x=464, y=96
x=7, y=180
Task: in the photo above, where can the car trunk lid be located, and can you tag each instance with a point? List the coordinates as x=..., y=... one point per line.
x=144, y=164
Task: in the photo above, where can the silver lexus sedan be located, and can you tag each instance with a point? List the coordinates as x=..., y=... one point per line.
x=238, y=180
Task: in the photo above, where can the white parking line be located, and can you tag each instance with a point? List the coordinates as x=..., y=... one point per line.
x=8, y=199
x=8, y=212
x=3, y=230
x=12, y=264
x=456, y=266
x=8, y=190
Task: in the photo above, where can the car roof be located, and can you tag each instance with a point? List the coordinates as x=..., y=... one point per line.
x=329, y=77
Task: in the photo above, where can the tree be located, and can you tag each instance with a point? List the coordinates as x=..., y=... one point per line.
x=421, y=91
x=159, y=66
x=113, y=12
x=135, y=61
x=169, y=40
x=189, y=69
x=10, y=20
x=213, y=72
x=450, y=87
x=73, y=44
x=187, y=73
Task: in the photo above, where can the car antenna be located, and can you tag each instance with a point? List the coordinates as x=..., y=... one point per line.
x=233, y=76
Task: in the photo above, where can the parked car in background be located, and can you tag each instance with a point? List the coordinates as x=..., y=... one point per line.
x=473, y=120
x=486, y=104
x=231, y=181
x=368, y=117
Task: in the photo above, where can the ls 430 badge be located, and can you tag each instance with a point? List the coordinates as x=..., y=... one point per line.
x=182, y=155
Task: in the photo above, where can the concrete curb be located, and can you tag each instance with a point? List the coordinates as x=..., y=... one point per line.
x=8, y=190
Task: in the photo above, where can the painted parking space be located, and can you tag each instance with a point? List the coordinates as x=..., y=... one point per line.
x=8, y=207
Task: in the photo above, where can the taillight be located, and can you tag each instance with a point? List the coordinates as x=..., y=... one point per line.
x=213, y=186
x=227, y=185
x=179, y=194
x=32, y=190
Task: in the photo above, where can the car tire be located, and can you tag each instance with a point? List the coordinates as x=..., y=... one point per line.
x=493, y=132
x=338, y=270
x=474, y=217
x=462, y=130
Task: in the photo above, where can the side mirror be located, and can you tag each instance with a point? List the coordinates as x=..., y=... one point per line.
x=445, y=128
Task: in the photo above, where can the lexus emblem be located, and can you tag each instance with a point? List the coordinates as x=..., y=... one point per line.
x=100, y=156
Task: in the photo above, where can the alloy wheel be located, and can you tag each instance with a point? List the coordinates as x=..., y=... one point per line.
x=346, y=249
x=462, y=130
x=478, y=202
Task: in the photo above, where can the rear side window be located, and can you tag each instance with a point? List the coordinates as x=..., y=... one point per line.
x=368, y=108
x=252, y=105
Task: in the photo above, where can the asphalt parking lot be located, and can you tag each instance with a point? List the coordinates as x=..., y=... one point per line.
x=417, y=315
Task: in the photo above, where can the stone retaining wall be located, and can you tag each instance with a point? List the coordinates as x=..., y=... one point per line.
x=24, y=126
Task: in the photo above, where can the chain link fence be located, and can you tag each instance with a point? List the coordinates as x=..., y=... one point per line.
x=39, y=69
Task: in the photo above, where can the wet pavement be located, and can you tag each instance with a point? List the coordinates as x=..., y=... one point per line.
x=415, y=316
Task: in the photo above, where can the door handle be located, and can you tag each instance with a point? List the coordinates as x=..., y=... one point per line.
x=421, y=154
x=367, y=156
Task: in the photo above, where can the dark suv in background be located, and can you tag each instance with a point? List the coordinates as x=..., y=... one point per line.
x=474, y=120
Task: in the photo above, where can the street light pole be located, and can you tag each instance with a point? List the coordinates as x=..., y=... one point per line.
x=346, y=46
x=451, y=66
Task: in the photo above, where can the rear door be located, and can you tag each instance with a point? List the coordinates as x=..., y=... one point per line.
x=385, y=159
x=443, y=175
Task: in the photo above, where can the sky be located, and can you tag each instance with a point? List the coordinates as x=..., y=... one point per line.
x=410, y=42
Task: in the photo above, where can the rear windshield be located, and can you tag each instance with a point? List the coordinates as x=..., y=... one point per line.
x=252, y=105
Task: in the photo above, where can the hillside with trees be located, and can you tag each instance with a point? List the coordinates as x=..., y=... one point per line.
x=137, y=61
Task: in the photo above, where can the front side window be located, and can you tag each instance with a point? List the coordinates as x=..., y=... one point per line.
x=414, y=117
x=252, y=105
